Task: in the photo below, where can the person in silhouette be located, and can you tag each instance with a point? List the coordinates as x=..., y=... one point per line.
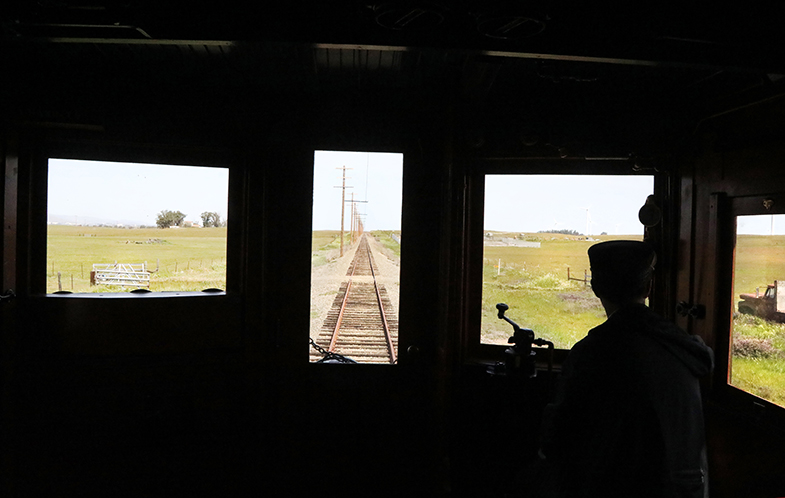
x=627, y=416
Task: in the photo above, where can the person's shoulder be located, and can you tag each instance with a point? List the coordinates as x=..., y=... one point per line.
x=596, y=338
x=639, y=317
x=603, y=332
x=663, y=344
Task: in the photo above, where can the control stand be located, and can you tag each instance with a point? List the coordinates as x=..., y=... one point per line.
x=519, y=359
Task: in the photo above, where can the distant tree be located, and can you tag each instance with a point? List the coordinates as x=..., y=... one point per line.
x=211, y=219
x=166, y=218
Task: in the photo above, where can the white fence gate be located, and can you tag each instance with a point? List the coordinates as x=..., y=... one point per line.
x=124, y=274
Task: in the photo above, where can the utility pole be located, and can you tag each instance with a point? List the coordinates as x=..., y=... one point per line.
x=360, y=229
x=343, y=188
x=355, y=218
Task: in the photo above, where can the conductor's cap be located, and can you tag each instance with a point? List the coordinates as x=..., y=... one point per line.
x=621, y=262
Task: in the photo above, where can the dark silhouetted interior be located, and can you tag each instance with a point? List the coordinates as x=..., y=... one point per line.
x=214, y=395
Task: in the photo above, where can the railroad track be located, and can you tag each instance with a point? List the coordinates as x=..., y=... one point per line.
x=360, y=325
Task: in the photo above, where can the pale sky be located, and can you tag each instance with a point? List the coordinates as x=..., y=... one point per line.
x=375, y=177
x=534, y=203
x=133, y=193
x=761, y=224
x=110, y=192
x=525, y=203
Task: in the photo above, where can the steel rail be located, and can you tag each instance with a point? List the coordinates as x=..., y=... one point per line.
x=336, y=330
x=382, y=312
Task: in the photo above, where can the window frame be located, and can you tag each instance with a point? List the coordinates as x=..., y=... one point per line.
x=127, y=153
x=402, y=152
x=124, y=324
x=725, y=210
x=476, y=351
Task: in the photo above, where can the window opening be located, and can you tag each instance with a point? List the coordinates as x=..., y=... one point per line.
x=757, y=359
x=355, y=259
x=537, y=230
x=119, y=227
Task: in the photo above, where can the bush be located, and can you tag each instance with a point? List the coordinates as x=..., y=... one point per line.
x=548, y=281
x=751, y=347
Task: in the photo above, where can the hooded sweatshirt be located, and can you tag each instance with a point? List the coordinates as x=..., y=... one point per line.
x=627, y=417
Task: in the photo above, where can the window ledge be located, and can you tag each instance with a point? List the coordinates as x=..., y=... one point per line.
x=133, y=295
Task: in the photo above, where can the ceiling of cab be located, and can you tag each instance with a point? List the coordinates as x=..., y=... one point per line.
x=598, y=29
x=546, y=67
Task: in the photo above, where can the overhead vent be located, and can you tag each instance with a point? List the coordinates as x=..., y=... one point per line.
x=510, y=21
x=500, y=19
x=408, y=15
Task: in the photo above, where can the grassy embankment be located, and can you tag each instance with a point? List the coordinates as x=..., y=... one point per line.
x=384, y=237
x=326, y=244
x=187, y=259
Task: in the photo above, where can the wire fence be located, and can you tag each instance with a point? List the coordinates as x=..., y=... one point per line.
x=586, y=277
x=180, y=274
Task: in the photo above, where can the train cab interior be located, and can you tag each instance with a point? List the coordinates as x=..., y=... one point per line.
x=212, y=393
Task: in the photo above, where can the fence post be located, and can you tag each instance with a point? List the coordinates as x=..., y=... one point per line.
x=59, y=282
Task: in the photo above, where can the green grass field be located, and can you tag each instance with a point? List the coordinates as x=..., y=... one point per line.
x=758, y=360
x=760, y=260
x=186, y=259
x=533, y=282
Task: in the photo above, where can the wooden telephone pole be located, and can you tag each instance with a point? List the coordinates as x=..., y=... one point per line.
x=355, y=219
x=343, y=188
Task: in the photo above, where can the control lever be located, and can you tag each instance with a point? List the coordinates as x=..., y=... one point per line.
x=519, y=358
